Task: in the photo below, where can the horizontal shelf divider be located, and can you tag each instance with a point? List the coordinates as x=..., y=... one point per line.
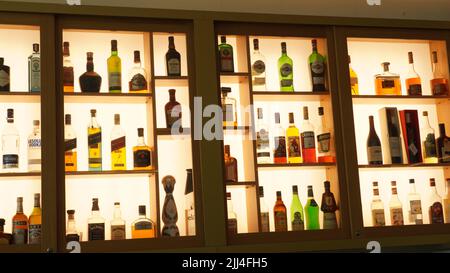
x=20, y=248
x=241, y=184
x=20, y=97
x=21, y=174
x=168, y=131
x=297, y=165
x=417, y=165
x=425, y=99
x=107, y=94
x=171, y=77
x=236, y=127
x=237, y=74
x=295, y=93
x=125, y=172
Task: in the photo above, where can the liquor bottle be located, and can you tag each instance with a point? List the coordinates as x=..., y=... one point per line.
x=308, y=139
x=325, y=143
x=413, y=82
x=68, y=78
x=435, y=211
x=377, y=208
x=118, y=149
x=71, y=228
x=317, y=65
x=415, y=205
x=387, y=83
x=232, y=225
x=390, y=135
x=279, y=153
x=258, y=68
x=353, y=78
x=443, y=145
x=142, y=154
x=96, y=223
x=311, y=211
x=34, y=148
x=5, y=84
x=70, y=145
x=231, y=174
x=173, y=59
x=429, y=144
x=226, y=55
x=114, y=70
x=285, y=70
x=138, y=76
x=280, y=214
x=262, y=139
x=35, y=221
x=5, y=238
x=297, y=218
x=189, y=211
x=169, y=209
x=395, y=207
x=173, y=111
x=90, y=81
x=263, y=212
x=411, y=135
x=229, y=108
x=118, y=231
x=95, y=143
x=293, y=142
x=329, y=208
x=20, y=225
x=143, y=227
x=10, y=143
x=439, y=84
x=374, y=153
x=447, y=202
x=34, y=70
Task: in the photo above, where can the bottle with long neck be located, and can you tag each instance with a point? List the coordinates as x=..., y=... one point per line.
x=68, y=79
x=118, y=148
x=35, y=221
x=96, y=223
x=435, y=211
x=308, y=139
x=34, y=70
x=258, y=68
x=20, y=225
x=231, y=167
x=447, y=202
x=70, y=145
x=297, y=218
x=173, y=59
x=10, y=143
x=413, y=82
x=262, y=140
x=279, y=214
x=279, y=153
x=374, y=153
x=293, y=142
x=329, y=208
x=114, y=70
x=429, y=144
x=95, y=143
x=263, y=212
x=317, y=68
x=172, y=111
x=34, y=148
x=71, y=228
x=285, y=70
x=415, y=205
x=325, y=140
x=377, y=208
x=311, y=211
x=439, y=84
x=138, y=76
x=118, y=231
x=395, y=207
x=443, y=145
x=232, y=225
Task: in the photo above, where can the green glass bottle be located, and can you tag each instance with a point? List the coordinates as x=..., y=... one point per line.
x=297, y=220
x=226, y=55
x=311, y=211
x=285, y=70
x=317, y=64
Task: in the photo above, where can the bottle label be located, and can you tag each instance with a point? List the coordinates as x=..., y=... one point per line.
x=232, y=226
x=20, y=232
x=70, y=144
x=430, y=146
x=297, y=222
x=329, y=220
x=413, y=149
x=396, y=216
x=388, y=84
x=68, y=76
x=96, y=231
x=265, y=227
x=317, y=69
x=374, y=154
x=259, y=81
x=143, y=225
x=34, y=234
x=416, y=207
x=395, y=146
x=115, y=80
x=35, y=77
x=226, y=59
x=258, y=67
x=280, y=221
x=4, y=78
x=440, y=89
x=190, y=221
x=280, y=146
x=118, y=144
x=227, y=110
x=415, y=89
x=294, y=146
x=262, y=139
x=34, y=143
x=324, y=142
x=286, y=71
x=173, y=115
x=142, y=158
x=446, y=151
x=138, y=83
x=173, y=66
x=329, y=204
x=94, y=139
x=378, y=219
x=118, y=232
x=436, y=213
x=10, y=161
x=308, y=140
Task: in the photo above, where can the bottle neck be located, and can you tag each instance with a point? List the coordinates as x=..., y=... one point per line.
x=114, y=52
x=172, y=98
x=442, y=130
x=37, y=202
x=36, y=129
x=90, y=66
x=117, y=213
x=376, y=193
x=372, y=125
x=310, y=194
x=94, y=121
x=141, y=141
x=412, y=188
x=19, y=207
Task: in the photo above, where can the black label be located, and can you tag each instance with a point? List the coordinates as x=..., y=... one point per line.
x=11, y=160
x=118, y=144
x=95, y=139
x=96, y=231
x=70, y=144
x=440, y=89
x=142, y=158
x=138, y=82
x=415, y=89
x=388, y=84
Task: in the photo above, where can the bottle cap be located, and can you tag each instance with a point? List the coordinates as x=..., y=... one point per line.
x=137, y=56
x=172, y=92
x=36, y=47
x=283, y=47
x=279, y=194
x=142, y=210
x=68, y=119
x=223, y=39
x=425, y=113
x=434, y=57
x=189, y=170
x=2, y=60
x=228, y=195
x=295, y=189
x=410, y=57
x=93, y=112
x=261, y=191
x=36, y=122
x=113, y=45
x=411, y=181
x=260, y=113
x=327, y=184
x=256, y=44
x=375, y=183
x=225, y=90
x=227, y=149
x=171, y=42
x=320, y=110
x=314, y=43
x=71, y=211
x=2, y=222
x=305, y=113
x=291, y=117
x=393, y=183
x=386, y=66
x=19, y=199
x=432, y=182
x=277, y=117
x=66, y=51
x=116, y=203
x=10, y=113
x=349, y=59
x=140, y=132
x=116, y=119
x=90, y=56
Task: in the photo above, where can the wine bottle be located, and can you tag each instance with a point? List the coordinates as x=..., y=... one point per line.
x=374, y=152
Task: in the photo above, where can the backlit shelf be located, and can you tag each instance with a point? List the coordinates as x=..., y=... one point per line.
x=104, y=97
x=297, y=165
x=406, y=99
x=234, y=77
x=125, y=172
x=171, y=81
x=20, y=97
x=168, y=131
x=20, y=174
x=290, y=96
x=241, y=184
x=418, y=165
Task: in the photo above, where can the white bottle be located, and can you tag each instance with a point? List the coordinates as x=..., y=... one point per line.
x=415, y=205
x=395, y=207
x=264, y=212
x=10, y=144
x=262, y=140
x=377, y=208
x=118, y=231
x=34, y=148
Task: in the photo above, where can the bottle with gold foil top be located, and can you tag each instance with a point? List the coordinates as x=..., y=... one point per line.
x=35, y=221
x=329, y=208
x=142, y=154
x=413, y=82
x=435, y=211
x=439, y=84
x=118, y=149
x=118, y=231
x=114, y=70
x=387, y=83
x=169, y=212
x=280, y=214
x=353, y=79
x=70, y=145
x=68, y=79
x=95, y=143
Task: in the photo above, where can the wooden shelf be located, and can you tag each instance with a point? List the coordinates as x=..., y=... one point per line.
x=425, y=99
x=237, y=128
x=168, y=132
x=290, y=96
x=298, y=165
x=234, y=77
x=21, y=174
x=171, y=81
x=418, y=165
x=126, y=172
x=241, y=184
x=104, y=97
x=20, y=248
x=19, y=97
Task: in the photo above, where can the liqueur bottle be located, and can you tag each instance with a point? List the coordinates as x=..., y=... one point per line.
x=285, y=70
x=173, y=59
x=35, y=221
x=5, y=84
x=96, y=223
x=70, y=145
x=169, y=209
x=118, y=230
x=95, y=143
x=311, y=211
x=258, y=68
x=293, y=142
x=138, y=76
x=231, y=174
x=429, y=143
x=90, y=81
x=68, y=78
x=439, y=84
x=377, y=208
x=353, y=79
x=20, y=225
x=262, y=140
x=229, y=108
x=5, y=238
x=264, y=212
x=226, y=55
x=317, y=65
x=374, y=153
x=142, y=154
x=232, y=225
x=395, y=207
x=279, y=153
x=34, y=70
x=143, y=227
x=297, y=218
x=118, y=149
x=435, y=211
x=172, y=110
x=10, y=143
x=114, y=70
x=325, y=140
x=443, y=145
x=308, y=139
x=387, y=83
x=71, y=228
x=279, y=214
x=34, y=148
x=415, y=204
x=329, y=208
x=413, y=82
x=189, y=211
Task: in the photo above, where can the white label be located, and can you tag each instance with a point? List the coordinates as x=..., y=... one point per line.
x=35, y=77
x=374, y=153
x=378, y=219
x=396, y=216
x=174, y=66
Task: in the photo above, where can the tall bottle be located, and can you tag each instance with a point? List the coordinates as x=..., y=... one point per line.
x=415, y=205
x=387, y=83
x=114, y=70
x=71, y=228
x=229, y=108
x=447, y=202
x=143, y=227
x=70, y=145
x=34, y=148
x=118, y=149
x=68, y=78
x=353, y=78
x=173, y=59
x=317, y=65
x=189, y=211
x=279, y=153
x=232, y=225
x=226, y=55
x=280, y=214
x=90, y=81
x=285, y=70
x=5, y=84
x=429, y=144
x=262, y=140
x=308, y=139
x=325, y=140
x=138, y=76
x=172, y=110
x=395, y=207
x=439, y=84
x=443, y=145
x=293, y=142
x=96, y=223
x=34, y=70
x=231, y=173
x=35, y=221
x=413, y=82
x=258, y=68
x=10, y=143
x=142, y=154
x=263, y=212
x=118, y=231
x=377, y=208
x=297, y=218
x=20, y=225
x=311, y=211
x=169, y=209
x=374, y=152
x=95, y=143
x=329, y=208
x=435, y=211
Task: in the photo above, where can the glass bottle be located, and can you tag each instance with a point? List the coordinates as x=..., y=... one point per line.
x=229, y=108
x=415, y=204
x=387, y=83
x=325, y=140
x=71, y=228
x=118, y=149
x=394, y=136
x=226, y=55
x=35, y=221
x=68, y=78
x=311, y=211
x=231, y=174
x=258, y=68
x=447, y=202
x=413, y=82
x=114, y=70
x=262, y=140
x=70, y=145
x=90, y=81
x=435, y=211
x=443, y=145
x=142, y=154
x=20, y=225
x=279, y=153
x=280, y=214
x=189, y=211
x=374, y=152
x=429, y=143
x=34, y=148
x=10, y=144
x=169, y=210
x=329, y=208
x=395, y=207
x=293, y=142
x=297, y=218
x=353, y=78
x=118, y=231
x=95, y=143
x=263, y=212
x=5, y=84
x=5, y=238
x=232, y=225
x=308, y=139
x=285, y=70
x=173, y=59
x=439, y=84
x=317, y=65
x=377, y=208
x=138, y=76
x=96, y=223
x=34, y=70
x=143, y=227
x=173, y=110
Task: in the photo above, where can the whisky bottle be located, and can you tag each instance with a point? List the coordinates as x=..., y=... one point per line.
x=35, y=221
x=325, y=143
x=311, y=211
x=232, y=224
x=413, y=82
x=262, y=140
x=142, y=154
x=114, y=70
x=329, y=208
x=95, y=143
x=285, y=70
x=226, y=55
x=447, y=202
x=263, y=212
x=143, y=227
x=308, y=139
x=169, y=209
x=415, y=204
x=279, y=153
x=118, y=231
x=293, y=142
x=4, y=76
x=173, y=59
x=439, y=84
x=96, y=223
x=353, y=78
x=317, y=65
x=20, y=225
x=377, y=208
x=374, y=152
x=429, y=144
x=70, y=145
x=71, y=228
x=435, y=211
x=231, y=174
x=10, y=143
x=229, y=108
x=90, y=81
x=172, y=111
x=138, y=76
x=387, y=83
x=189, y=212
x=258, y=68
x=68, y=78
x=34, y=70
x=297, y=218
x=280, y=214
x=34, y=148
x=443, y=145
x=118, y=149
x=395, y=207
x=5, y=238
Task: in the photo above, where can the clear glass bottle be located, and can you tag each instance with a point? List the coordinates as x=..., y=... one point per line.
x=297, y=217
x=142, y=154
x=34, y=148
x=262, y=139
x=285, y=70
x=231, y=168
x=138, y=76
x=114, y=70
x=143, y=227
x=446, y=202
x=439, y=84
x=173, y=59
x=10, y=144
x=189, y=213
x=387, y=83
x=232, y=225
x=118, y=146
x=90, y=81
x=118, y=231
x=94, y=143
x=413, y=82
x=308, y=139
x=435, y=211
x=325, y=140
x=353, y=78
x=329, y=208
x=258, y=68
x=96, y=223
x=395, y=207
x=429, y=144
x=415, y=205
x=68, y=78
x=226, y=55
x=263, y=211
x=72, y=233
x=5, y=84
x=229, y=108
x=279, y=153
x=70, y=145
x=35, y=222
x=280, y=214
x=317, y=66
x=294, y=152
x=34, y=70
x=311, y=211
x=20, y=225
x=377, y=208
